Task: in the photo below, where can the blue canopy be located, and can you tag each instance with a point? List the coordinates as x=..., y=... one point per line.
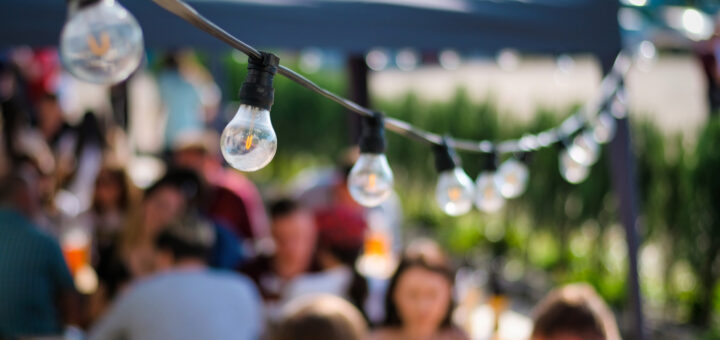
x=533, y=26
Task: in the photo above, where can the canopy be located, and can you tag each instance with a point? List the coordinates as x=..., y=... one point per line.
x=533, y=26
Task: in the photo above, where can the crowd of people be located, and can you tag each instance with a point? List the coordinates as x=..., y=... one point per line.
x=198, y=253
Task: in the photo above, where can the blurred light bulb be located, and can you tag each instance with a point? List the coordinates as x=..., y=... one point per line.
x=101, y=42
x=604, y=129
x=371, y=181
x=512, y=178
x=571, y=170
x=584, y=149
x=487, y=193
x=248, y=142
x=454, y=192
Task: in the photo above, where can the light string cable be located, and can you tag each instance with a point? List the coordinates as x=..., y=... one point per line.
x=609, y=86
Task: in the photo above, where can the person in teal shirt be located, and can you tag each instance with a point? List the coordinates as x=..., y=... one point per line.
x=35, y=283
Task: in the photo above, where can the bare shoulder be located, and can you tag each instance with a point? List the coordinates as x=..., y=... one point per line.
x=383, y=334
x=454, y=334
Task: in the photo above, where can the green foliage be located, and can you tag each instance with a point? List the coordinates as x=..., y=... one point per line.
x=570, y=231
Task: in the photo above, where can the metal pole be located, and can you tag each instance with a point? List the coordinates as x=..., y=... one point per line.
x=622, y=169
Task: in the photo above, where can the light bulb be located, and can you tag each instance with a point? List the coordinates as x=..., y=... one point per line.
x=512, y=178
x=584, y=149
x=604, y=128
x=573, y=171
x=101, y=41
x=487, y=193
x=370, y=181
x=454, y=192
x=248, y=142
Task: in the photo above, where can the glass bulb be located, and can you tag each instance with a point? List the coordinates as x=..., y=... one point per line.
x=512, y=178
x=604, y=129
x=584, y=149
x=454, y=192
x=101, y=43
x=571, y=170
x=370, y=181
x=248, y=142
x=487, y=193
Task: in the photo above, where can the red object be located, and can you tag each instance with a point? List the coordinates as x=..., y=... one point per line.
x=341, y=226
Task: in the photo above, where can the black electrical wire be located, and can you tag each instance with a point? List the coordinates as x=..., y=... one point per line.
x=609, y=86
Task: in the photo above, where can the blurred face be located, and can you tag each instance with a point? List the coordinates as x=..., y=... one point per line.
x=422, y=298
x=51, y=116
x=161, y=208
x=107, y=191
x=295, y=237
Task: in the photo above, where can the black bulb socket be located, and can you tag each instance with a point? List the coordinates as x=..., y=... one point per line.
x=372, y=139
x=445, y=157
x=82, y=3
x=257, y=89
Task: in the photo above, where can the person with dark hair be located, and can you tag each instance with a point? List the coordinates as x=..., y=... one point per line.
x=294, y=234
x=37, y=293
x=341, y=231
x=178, y=192
x=320, y=317
x=185, y=299
x=418, y=303
x=574, y=312
x=231, y=198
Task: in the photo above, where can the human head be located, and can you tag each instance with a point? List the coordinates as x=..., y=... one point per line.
x=50, y=115
x=341, y=233
x=179, y=191
x=193, y=150
x=419, y=296
x=112, y=190
x=574, y=312
x=320, y=317
x=19, y=189
x=295, y=235
x=185, y=240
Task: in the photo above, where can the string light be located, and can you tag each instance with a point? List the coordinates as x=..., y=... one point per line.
x=110, y=54
x=604, y=128
x=487, y=192
x=371, y=180
x=512, y=178
x=570, y=169
x=101, y=41
x=584, y=150
x=248, y=142
x=454, y=191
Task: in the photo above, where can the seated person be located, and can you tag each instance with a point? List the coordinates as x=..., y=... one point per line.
x=185, y=299
x=574, y=312
x=418, y=303
x=295, y=236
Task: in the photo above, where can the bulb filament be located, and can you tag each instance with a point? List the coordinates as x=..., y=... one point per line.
x=249, y=139
x=99, y=49
x=372, y=178
x=454, y=194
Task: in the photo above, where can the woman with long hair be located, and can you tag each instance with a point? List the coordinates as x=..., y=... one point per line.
x=418, y=303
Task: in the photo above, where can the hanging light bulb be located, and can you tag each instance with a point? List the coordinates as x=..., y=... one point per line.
x=101, y=41
x=454, y=191
x=604, y=128
x=487, y=193
x=584, y=149
x=570, y=169
x=371, y=181
x=512, y=178
x=248, y=142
